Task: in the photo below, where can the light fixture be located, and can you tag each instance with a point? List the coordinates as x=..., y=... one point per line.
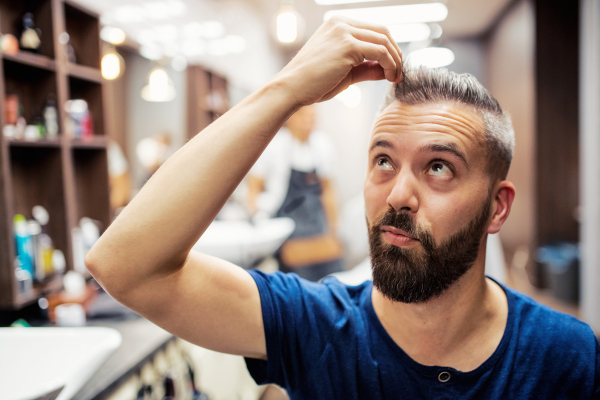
x=390, y=15
x=128, y=13
x=289, y=25
x=159, y=88
x=350, y=97
x=151, y=52
x=112, y=35
x=432, y=57
x=179, y=63
x=112, y=64
x=409, y=32
x=335, y=2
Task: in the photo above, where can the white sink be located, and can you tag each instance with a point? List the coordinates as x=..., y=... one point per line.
x=243, y=243
x=37, y=361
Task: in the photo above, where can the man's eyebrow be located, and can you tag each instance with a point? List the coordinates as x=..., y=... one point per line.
x=382, y=143
x=446, y=148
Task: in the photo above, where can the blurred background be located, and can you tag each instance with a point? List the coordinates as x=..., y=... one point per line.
x=98, y=94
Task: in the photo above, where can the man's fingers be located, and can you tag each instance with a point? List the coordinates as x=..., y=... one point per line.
x=380, y=53
x=367, y=71
x=381, y=29
x=366, y=35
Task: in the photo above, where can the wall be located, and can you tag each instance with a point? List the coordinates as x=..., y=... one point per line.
x=147, y=118
x=510, y=76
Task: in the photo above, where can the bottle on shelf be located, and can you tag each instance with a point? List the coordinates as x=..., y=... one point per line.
x=30, y=36
x=51, y=118
x=79, y=121
x=24, y=248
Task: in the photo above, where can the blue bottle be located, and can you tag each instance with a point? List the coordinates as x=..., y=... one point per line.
x=24, y=248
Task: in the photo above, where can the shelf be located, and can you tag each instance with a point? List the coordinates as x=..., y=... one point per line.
x=94, y=142
x=91, y=184
x=11, y=14
x=37, y=179
x=91, y=92
x=34, y=143
x=84, y=32
x=86, y=73
x=33, y=85
x=52, y=285
x=32, y=60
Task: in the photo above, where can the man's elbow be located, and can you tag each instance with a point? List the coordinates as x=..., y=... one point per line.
x=99, y=268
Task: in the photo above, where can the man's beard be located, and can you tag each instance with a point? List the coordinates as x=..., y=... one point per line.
x=416, y=275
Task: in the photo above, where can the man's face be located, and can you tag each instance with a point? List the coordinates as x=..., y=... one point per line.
x=427, y=197
x=302, y=122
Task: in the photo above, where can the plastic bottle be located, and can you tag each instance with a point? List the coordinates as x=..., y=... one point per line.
x=51, y=119
x=24, y=248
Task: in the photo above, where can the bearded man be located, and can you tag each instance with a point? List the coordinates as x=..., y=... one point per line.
x=430, y=325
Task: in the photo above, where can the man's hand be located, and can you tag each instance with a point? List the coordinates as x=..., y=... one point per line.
x=342, y=52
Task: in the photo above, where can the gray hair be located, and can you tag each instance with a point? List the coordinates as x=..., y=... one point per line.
x=425, y=85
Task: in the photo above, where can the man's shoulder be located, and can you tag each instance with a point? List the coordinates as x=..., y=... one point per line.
x=540, y=325
x=329, y=292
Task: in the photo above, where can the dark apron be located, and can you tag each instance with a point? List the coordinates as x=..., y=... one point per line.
x=303, y=204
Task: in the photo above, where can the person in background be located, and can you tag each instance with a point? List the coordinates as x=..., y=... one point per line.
x=293, y=179
x=119, y=177
x=152, y=152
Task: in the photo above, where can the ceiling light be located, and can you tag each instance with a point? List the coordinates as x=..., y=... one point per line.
x=193, y=48
x=390, y=15
x=212, y=29
x=193, y=30
x=350, y=97
x=436, y=31
x=151, y=52
x=179, y=63
x=432, y=57
x=129, y=13
x=159, y=88
x=177, y=8
x=409, y=32
x=146, y=37
x=112, y=65
x=288, y=25
x=166, y=33
x=112, y=35
x=156, y=10
x=334, y=2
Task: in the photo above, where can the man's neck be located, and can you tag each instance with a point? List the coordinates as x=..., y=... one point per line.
x=459, y=329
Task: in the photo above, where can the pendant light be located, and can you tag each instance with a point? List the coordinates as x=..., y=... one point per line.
x=159, y=88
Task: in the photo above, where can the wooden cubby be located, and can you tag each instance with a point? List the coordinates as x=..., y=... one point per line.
x=207, y=98
x=66, y=175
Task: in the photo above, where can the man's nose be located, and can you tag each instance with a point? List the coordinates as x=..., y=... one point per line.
x=404, y=196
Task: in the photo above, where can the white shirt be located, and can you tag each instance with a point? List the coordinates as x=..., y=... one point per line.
x=285, y=153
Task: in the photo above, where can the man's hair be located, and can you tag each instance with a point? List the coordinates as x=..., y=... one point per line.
x=423, y=85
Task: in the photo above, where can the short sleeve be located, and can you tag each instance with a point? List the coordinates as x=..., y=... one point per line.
x=299, y=317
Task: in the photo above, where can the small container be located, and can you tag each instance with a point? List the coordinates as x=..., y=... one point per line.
x=70, y=314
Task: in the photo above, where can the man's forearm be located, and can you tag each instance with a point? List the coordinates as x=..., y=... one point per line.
x=155, y=232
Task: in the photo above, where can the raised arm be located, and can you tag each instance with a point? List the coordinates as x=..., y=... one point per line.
x=144, y=258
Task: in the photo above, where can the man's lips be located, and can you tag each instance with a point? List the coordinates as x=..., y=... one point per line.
x=398, y=237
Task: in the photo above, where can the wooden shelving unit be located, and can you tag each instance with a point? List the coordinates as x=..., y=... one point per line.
x=207, y=98
x=66, y=175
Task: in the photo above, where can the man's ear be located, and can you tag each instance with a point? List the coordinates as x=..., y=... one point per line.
x=501, y=204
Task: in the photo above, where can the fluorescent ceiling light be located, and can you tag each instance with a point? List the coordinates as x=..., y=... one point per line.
x=151, y=52
x=287, y=27
x=112, y=35
x=432, y=57
x=333, y=2
x=409, y=32
x=391, y=15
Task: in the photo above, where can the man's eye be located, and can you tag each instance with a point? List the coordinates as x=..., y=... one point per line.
x=440, y=169
x=384, y=164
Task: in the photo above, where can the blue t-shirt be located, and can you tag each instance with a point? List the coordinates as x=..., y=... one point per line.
x=324, y=341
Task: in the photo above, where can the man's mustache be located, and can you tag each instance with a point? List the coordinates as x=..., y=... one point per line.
x=400, y=220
